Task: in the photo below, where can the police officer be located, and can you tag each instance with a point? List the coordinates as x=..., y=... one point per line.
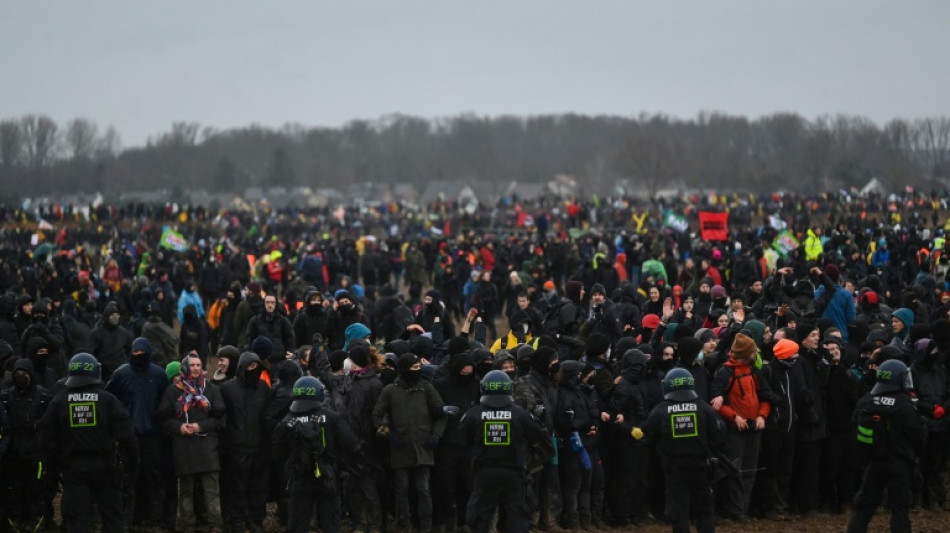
x=83, y=427
x=889, y=433
x=686, y=432
x=501, y=433
x=313, y=439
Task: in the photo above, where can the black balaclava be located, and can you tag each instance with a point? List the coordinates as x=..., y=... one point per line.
x=404, y=368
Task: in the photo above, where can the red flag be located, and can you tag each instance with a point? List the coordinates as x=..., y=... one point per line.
x=714, y=226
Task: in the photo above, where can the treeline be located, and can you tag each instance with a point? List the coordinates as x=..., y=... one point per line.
x=650, y=152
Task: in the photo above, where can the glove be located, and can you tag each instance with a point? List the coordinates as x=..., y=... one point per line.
x=939, y=411
x=636, y=433
x=538, y=410
x=432, y=443
x=451, y=410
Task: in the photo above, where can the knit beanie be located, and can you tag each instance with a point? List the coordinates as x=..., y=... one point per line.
x=172, y=369
x=597, y=344
x=743, y=347
x=905, y=315
x=784, y=349
x=355, y=331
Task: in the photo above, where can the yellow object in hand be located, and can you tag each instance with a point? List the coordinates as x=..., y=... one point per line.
x=636, y=433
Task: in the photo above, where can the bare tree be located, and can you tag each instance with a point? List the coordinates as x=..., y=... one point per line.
x=41, y=137
x=109, y=145
x=11, y=143
x=933, y=144
x=81, y=138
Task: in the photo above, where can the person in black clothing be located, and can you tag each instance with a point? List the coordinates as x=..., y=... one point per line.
x=890, y=434
x=272, y=324
x=83, y=427
x=313, y=440
x=433, y=311
x=245, y=444
x=501, y=434
x=312, y=321
x=576, y=420
x=627, y=411
x=194, y=335
x=933, y=401
x=111, y=343
x=453, y=464
x=26, y=495
x=686, y=433
x=687, y=352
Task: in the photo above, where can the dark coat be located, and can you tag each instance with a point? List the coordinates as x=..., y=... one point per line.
x=414, y=413
x=247, y=401
x=140, y=389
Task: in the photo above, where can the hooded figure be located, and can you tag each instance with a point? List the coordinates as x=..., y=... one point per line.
x=8, y=329
x=37, y=351
x=687, y=351
x=111, y=342
x=25, y=403
x=194, y=334
x=43, y=326
x=576, y=414
x=312, y=321
x=245, y=443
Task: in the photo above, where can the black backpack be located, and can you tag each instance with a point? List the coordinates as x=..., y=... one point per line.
x=874, y=429
x=310, y=458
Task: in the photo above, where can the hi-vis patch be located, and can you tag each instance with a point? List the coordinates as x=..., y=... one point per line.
x=82, y=415
x=497, y=433
x=684, y=425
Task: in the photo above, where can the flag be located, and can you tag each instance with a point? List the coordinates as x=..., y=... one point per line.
x=785, y=242
x=675, y=221
x=173, y=240
x=714, y=226
x=45, y=225
x=777, y=223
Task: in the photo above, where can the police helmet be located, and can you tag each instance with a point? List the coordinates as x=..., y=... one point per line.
x=496, y=389
x=308, y=394
x=893, y=376
x=83, y=370
x=679, y=385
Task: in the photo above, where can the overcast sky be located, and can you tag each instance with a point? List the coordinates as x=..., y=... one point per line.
x=139, y=66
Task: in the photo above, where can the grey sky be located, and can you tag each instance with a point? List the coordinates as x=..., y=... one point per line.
x=140, y=66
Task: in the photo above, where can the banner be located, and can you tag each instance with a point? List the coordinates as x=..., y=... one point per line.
x=675, y=222
x=785, y=242
x=777, y=223
x=173, y=240
x=713, y=226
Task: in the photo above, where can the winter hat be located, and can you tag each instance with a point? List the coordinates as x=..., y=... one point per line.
x=573, y=290
x=341, y=294
x=717, y=291
x=687, y=349
x=650, y=321
x=541, y=359
x=756, y=331
x=868, y=299
x=876, y=335
x=708, y=281
x=434, y=294
x=804, y=330
x=263, y=347
x=397, y=346
x=832, y=272
x=253, y=287
x=421, y=345
x=360, y=356
x=355, y=331
x=597, y=344
x=784, y=349
x=549, y=285
x=743, y=347
x=336, y=360
x=597, y=288
x=457, y=345
x=704, y=335
x=918, y=331
x=905, y=315
x=172, y=369
x=624, y=344
x=405, y=362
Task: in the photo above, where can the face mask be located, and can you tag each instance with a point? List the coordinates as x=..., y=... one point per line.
x=346, y=307
x=139, y=361
x=666, y=365
x=253, y=375
x=21, y=381
x=113, y=321
x=555, y=368
x=483, y=368
x=700, y=357
x=412, y=377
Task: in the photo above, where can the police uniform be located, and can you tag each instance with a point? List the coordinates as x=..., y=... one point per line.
x=501, y=434
x=889, y=433
x=312, y=439
x=686, y=432
x=82, y=428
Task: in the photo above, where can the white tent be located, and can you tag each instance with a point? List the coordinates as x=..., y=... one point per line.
x=874, y=186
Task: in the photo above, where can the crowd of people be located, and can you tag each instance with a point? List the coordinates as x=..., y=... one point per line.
x=385, y=344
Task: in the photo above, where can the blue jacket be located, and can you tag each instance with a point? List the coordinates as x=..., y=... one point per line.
x=840, y=309
x=140, y=387
x=189, y=298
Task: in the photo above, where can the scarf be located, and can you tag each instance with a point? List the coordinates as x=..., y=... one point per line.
x=192, y=394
